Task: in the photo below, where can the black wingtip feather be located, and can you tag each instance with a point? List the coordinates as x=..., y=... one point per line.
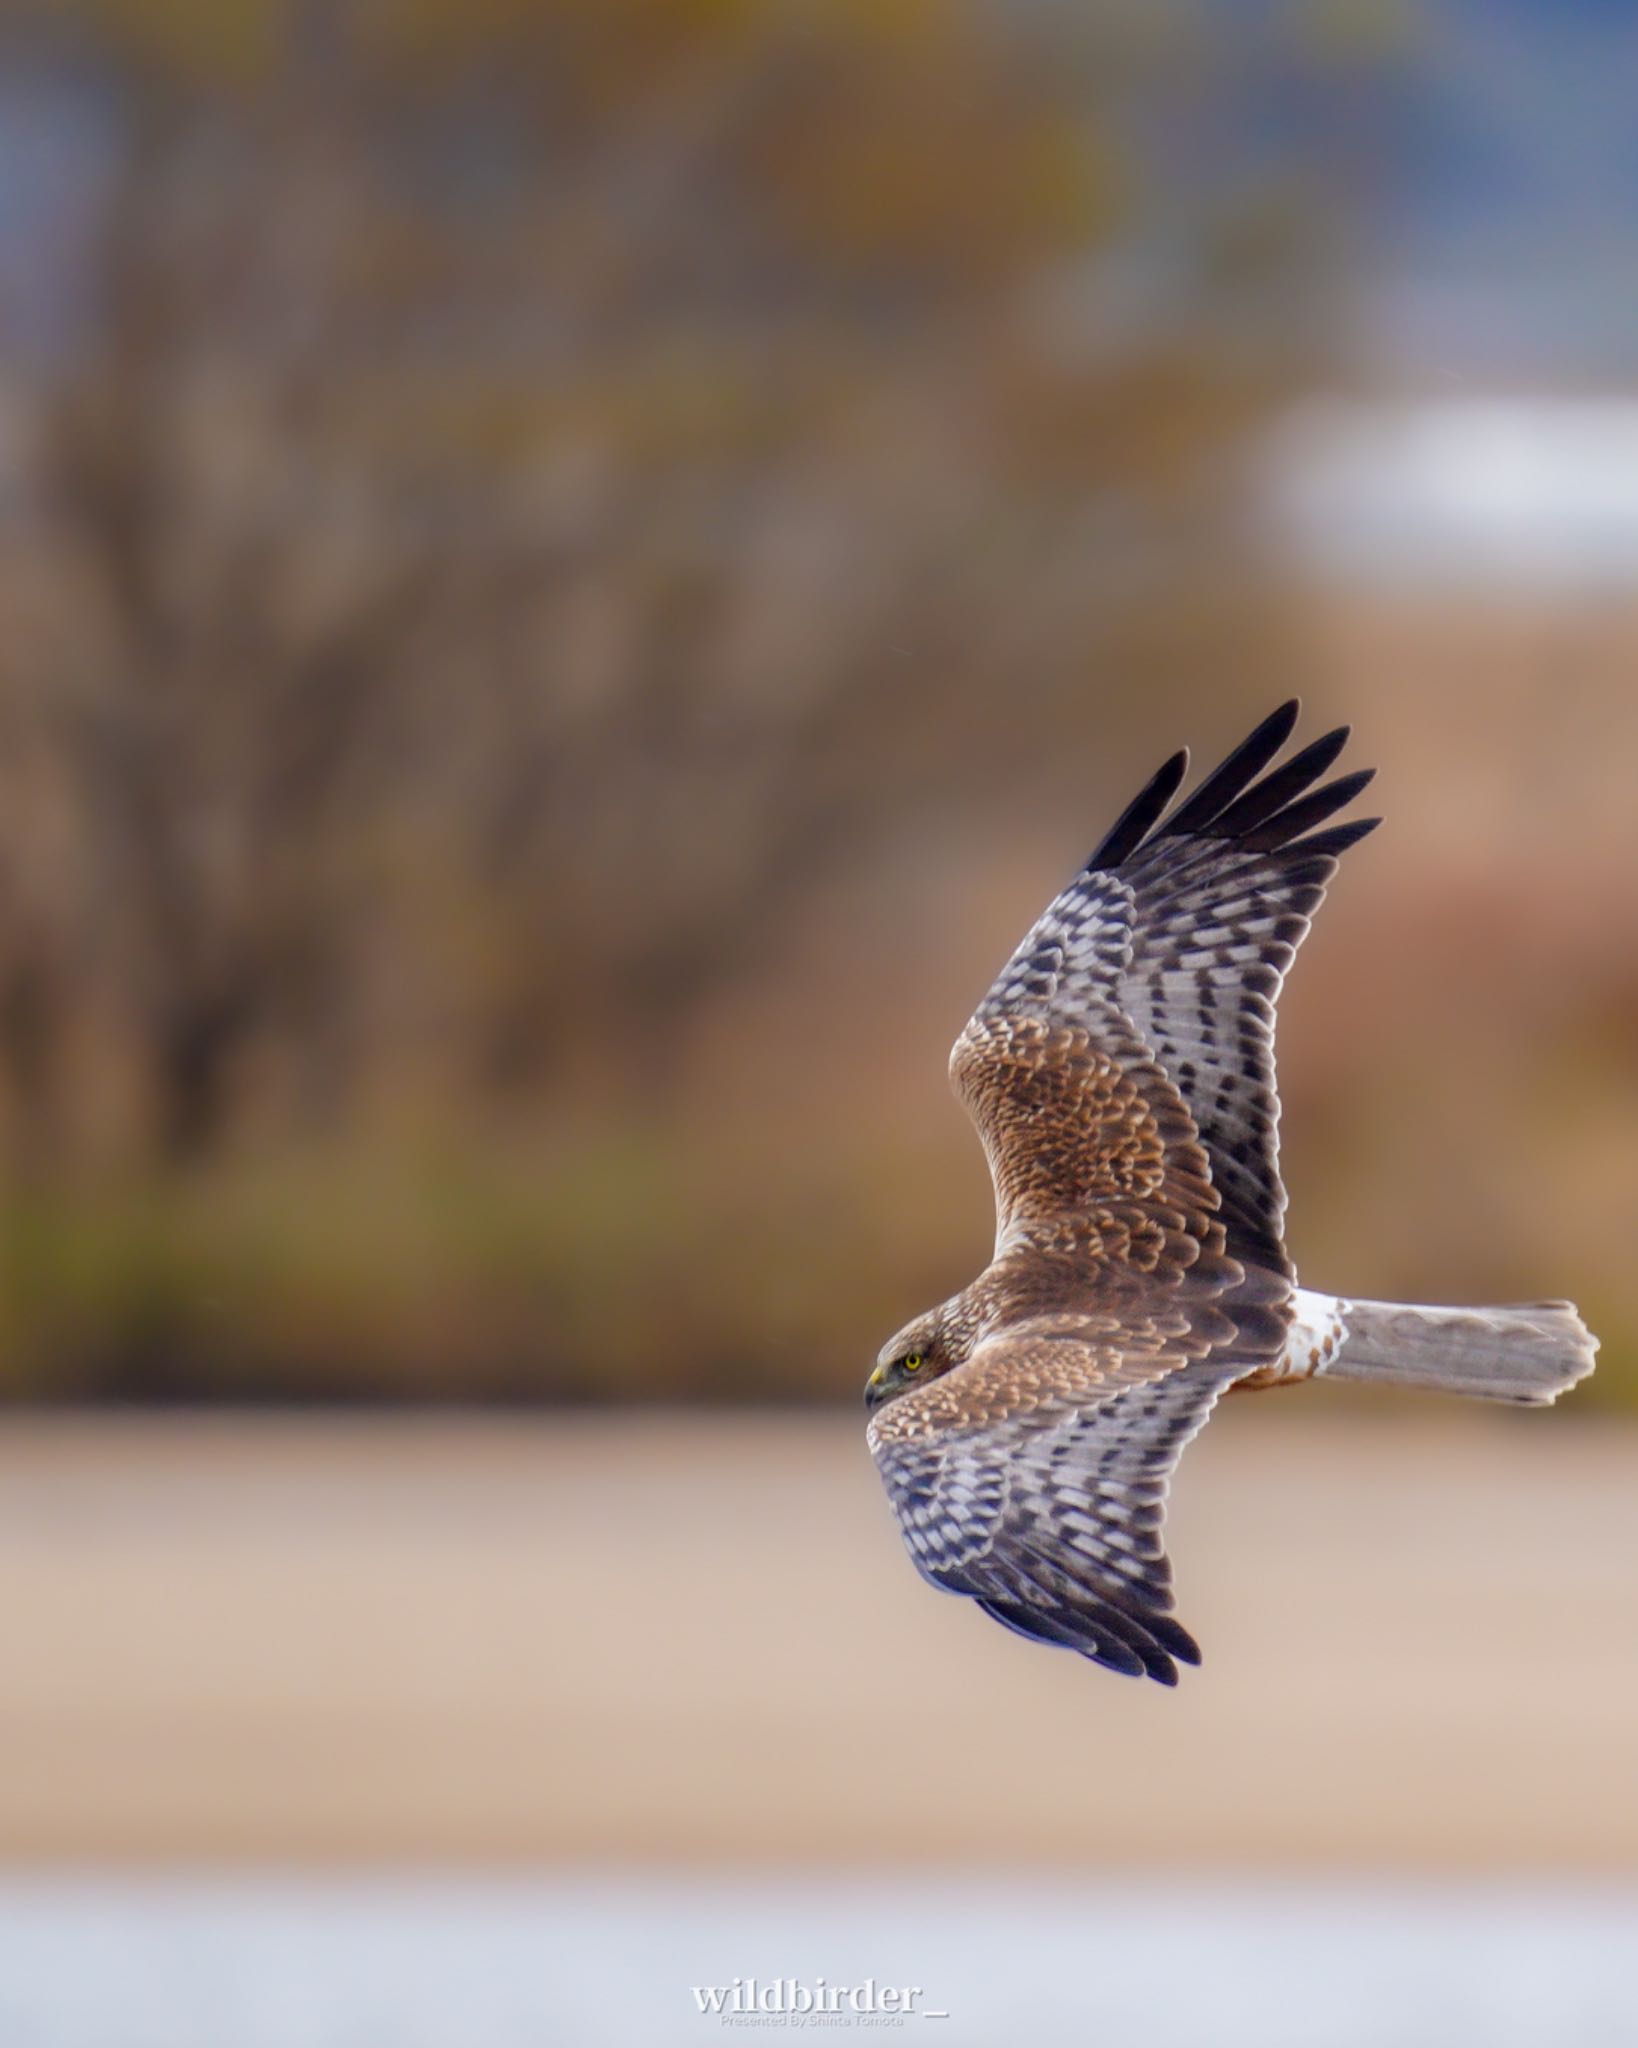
x=1230, y=777
x=1337, y=838
x=1277, y=789
x=1173, y=1637
x=1267, y=815
x=1135, y=1645
x=1133, y=825
x=1111, y=1654
x=1295, y=819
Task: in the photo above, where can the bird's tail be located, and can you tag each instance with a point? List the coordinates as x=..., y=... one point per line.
x=1530, y=1352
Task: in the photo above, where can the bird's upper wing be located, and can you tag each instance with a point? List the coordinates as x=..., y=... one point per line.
x=1033, y=1477
x=1162, y=958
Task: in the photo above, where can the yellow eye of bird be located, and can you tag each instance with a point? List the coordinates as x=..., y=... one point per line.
x=912, y=1361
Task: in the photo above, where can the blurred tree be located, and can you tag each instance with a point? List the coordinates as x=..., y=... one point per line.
x=243, y=623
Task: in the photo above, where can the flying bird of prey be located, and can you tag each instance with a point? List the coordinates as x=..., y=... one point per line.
x=1121, y=1075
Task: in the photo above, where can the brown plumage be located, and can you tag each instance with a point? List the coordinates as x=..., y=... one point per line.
x=1121, y=1076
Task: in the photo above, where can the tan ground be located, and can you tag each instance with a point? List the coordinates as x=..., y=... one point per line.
x=697, y=1638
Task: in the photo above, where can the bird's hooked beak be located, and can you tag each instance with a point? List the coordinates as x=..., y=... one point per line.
x=876, y=1386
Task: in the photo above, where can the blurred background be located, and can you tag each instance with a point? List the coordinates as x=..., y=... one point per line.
x=573, y=575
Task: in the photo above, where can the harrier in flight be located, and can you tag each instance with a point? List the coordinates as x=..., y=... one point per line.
x=1121, y=1075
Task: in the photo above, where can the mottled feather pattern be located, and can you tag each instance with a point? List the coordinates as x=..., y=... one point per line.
x=1067, y=1123
x=1071, y=959
x=1044, y=1364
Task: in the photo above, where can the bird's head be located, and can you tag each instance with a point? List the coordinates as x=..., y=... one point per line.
x=920, y=1352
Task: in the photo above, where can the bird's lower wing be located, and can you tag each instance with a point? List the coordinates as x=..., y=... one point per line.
x=1034, y=1478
